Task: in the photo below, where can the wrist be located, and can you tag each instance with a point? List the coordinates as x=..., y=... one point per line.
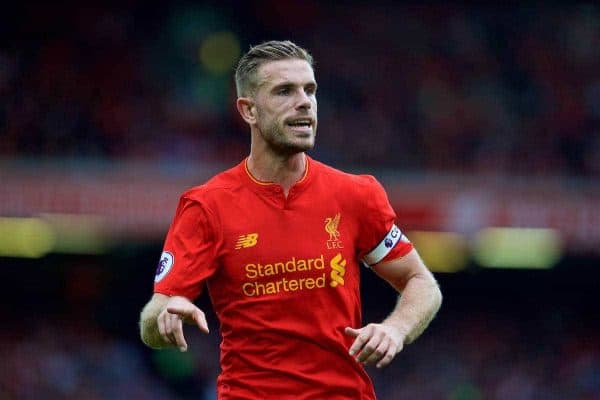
x=400, y=328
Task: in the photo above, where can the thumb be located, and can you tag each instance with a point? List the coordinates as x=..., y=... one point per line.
x=351, y=331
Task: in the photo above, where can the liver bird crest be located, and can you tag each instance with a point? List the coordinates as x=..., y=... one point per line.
x=331, y=226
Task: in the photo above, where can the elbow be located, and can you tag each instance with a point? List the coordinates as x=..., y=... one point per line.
x=434, y=291
x=439, y=296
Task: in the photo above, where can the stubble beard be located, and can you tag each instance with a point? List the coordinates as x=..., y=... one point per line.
x=276, y=138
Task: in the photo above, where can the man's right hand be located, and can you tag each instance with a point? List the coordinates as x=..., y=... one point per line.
x=170, y=321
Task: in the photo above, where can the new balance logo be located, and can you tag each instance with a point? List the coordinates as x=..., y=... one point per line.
x=245, y=241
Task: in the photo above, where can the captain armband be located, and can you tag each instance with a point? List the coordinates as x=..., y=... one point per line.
x=385, y=246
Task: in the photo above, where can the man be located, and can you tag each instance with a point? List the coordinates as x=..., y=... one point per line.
x=278, y=240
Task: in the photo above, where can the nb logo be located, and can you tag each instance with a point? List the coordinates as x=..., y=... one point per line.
x=338, y=270
x=246, y=241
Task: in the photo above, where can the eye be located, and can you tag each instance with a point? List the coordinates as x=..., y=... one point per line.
x=283, y=91
x=310, y=90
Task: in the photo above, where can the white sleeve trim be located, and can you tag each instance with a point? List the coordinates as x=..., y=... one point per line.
x=384, y=247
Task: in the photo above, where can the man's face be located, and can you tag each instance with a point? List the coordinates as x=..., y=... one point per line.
x=286, y=105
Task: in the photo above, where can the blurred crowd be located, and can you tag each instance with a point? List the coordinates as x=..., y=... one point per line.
x=509, y=89
x=61, y=358
x=474, y=358
x=451, y=88
x=481, y=356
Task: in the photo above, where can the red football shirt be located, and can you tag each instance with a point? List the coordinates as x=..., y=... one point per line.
x=283, y=276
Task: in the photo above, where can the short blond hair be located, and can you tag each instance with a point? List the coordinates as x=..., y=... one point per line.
x=274, y=50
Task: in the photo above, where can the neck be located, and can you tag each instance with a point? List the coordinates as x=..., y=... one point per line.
x=283, y=170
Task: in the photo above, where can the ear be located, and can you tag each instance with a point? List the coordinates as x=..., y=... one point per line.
x=245, y=106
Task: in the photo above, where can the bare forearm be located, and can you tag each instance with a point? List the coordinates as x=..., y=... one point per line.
x=416, y=307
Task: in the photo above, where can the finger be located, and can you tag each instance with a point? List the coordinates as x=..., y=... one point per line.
x=362, y=338
x=200, y=319
x=351, y=331
x=169, y=327
x=180, y=311
x=177, y=332
x=195, y=314
x=162, y=328
x=389, y=355
x=379, y=352
x=369, y=347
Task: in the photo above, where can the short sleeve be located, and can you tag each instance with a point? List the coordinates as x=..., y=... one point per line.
x=380, y=237
x=188, y=256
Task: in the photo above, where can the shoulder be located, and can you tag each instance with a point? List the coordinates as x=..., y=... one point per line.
x=224, y=184
x=359, y=192
x=350, y=181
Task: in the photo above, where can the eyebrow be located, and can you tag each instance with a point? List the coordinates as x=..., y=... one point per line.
x=288, y=84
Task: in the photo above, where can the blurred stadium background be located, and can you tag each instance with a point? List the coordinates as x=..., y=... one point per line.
x=482, y=122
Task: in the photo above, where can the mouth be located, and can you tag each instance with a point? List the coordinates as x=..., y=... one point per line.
x=302, y=125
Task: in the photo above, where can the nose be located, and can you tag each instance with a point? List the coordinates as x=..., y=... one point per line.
x=304, y=101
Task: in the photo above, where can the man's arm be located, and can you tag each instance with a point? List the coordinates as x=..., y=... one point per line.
x=161, y=321
x=419, y=301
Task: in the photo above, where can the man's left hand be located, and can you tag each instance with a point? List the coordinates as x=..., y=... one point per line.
x=375, y=344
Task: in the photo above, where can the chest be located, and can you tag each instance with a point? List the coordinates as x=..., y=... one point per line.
x=269, y=247
x=261, y=228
